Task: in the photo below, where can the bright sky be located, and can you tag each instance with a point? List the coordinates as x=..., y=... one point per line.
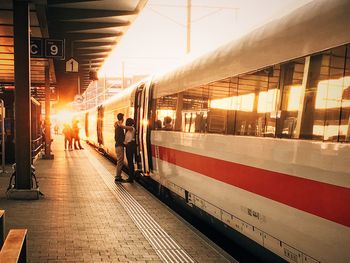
x=157, y=39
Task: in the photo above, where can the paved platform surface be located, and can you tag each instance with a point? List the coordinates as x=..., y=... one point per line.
x=84, y=216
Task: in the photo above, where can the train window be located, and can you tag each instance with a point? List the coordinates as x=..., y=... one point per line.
x=291, y=78
x=315, y=102
x=194, y=109
x=231, y=113
x=326, y=104
x=344, y=132
x=271, y=99
x=251, y=103
x=165, y=116
x=334, y=90
x=276, y=101
x=220, y=103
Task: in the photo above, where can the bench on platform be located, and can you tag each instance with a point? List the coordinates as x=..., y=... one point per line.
x=15, y=247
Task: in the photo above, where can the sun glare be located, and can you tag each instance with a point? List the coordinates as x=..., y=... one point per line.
x=63, y=117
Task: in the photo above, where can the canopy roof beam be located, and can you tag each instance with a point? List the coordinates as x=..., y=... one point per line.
x=62, y=14
x=78, y=26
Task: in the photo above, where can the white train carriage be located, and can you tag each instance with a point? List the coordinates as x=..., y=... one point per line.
x=260, y=133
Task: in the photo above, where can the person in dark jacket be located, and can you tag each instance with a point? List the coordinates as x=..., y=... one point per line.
x=67, y=132
x=130, y=146
x=119, y=138
x=76, y=137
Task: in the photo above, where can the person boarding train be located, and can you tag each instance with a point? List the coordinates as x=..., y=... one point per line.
x=130, y=146
x=120, y=137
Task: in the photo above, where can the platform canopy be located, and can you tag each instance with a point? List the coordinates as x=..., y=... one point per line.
x=90, y=28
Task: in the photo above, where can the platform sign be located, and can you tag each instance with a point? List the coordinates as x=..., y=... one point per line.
x=39, y=93
x=72, y=65
x=47, y=48
x=36, y=48
x=54, y=48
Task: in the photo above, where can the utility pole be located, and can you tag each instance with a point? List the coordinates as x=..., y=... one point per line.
x=189, y=6
x=48, y=154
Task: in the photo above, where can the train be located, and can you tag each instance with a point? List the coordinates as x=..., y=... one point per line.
x=257, y=136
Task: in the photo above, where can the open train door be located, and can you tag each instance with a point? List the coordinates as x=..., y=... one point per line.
x=143, y=136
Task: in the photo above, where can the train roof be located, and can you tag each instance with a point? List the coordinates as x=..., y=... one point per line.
x=317, y=26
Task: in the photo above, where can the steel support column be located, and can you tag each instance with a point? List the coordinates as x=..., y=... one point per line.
x=48, y=155
x=23, y=148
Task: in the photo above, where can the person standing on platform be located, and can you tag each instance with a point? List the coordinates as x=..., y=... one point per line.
x=130, y=145
x=75, y=128
x=56, y=129
x=67, y=132
x=119, y=138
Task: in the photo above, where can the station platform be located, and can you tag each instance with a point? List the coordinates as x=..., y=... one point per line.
x=85, y=217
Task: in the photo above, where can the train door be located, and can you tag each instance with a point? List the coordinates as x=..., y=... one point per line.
x=143, y=141
x=100, y=115
x=87, y=125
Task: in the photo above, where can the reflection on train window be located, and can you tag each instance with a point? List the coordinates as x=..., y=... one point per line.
x=269, y=101
x=252, y=89
x=231, y=113
x=219, y=105
x=344, y=134
x=291, y=85
x=166, y=112
x=194, y=110
x=325, y=101
x=306, y=98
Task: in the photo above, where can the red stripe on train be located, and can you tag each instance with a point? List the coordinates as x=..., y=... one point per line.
x=324, y=200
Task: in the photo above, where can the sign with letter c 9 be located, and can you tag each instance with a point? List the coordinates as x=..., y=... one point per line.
x=54, y=48
x=36, y=48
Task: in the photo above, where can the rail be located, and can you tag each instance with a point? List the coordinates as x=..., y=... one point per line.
x=37, y=145
x=37, y=139
x=14, y=249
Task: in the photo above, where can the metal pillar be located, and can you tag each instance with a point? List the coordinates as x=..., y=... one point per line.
x=2, y=135
x=48, y=155
x=22, y=95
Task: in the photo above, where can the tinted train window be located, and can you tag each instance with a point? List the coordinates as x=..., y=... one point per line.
x=165, y=116
x=269, y=101
x=231, y=113
x=251, y=103
x=326, y=102
x=307, y=98
x=194, y=109
x=219, y=105
x=344, y=131
x=291, y=85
